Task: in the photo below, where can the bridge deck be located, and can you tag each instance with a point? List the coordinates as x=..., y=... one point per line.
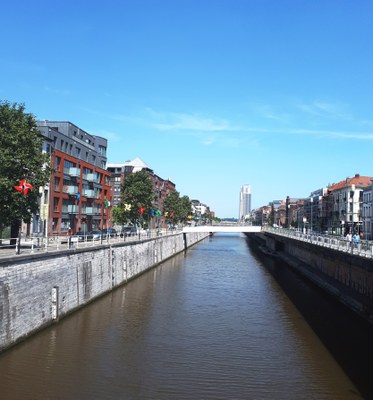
x=222, y=228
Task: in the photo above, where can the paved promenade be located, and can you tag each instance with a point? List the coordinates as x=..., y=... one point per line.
x=37, y=244
x=42, y=245
x=362, y=249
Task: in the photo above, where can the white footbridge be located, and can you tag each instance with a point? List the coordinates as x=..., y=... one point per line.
x=223, y=228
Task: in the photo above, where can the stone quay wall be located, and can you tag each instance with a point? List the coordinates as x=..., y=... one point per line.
x=38, y=289
x=348, y=277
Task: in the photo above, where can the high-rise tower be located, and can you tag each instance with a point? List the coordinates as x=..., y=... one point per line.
x=245, y=202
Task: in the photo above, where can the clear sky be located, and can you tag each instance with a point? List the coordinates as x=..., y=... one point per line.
x=214, y=94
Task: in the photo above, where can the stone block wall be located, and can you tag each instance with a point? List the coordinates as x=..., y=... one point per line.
x=346, y=276
x=38, y=289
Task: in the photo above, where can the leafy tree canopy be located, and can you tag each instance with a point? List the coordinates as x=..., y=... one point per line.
x=175, y=208
x=21, y=157
x=137, y=199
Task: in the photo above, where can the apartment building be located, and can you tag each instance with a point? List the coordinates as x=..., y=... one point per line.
x=367, y=213
x=161, y=187
x=79, y=191
x=344, y=204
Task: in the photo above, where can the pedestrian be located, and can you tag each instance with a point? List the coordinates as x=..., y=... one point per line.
x=356, y=240
x=348, y=240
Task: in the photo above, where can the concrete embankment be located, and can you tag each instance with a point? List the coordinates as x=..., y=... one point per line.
x=38, y=289
x=347, y=277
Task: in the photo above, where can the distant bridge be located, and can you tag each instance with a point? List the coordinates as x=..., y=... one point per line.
x=223, y=228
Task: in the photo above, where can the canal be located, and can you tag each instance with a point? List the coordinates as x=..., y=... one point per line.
x=218, y=322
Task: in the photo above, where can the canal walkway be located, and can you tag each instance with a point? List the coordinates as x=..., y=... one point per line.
x=363, y=249
x=39, y=244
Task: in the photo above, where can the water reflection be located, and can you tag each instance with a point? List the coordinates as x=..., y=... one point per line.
x=213, y=323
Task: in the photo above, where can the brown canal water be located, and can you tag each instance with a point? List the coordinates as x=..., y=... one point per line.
x=218, y=322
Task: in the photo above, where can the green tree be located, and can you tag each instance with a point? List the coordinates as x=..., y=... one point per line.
x=118, y=214
x=21, y=157
x=175, y=208
x=137, y=199
x=186, y=208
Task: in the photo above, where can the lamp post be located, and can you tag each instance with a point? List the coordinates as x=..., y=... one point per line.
x=311, y=222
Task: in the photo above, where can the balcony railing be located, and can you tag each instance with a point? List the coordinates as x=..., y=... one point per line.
x=70, y=189
x=91, y=211
x=73, y=209
x=92, y=178
x=70, y=209
x=91, y=194
x=72, y=171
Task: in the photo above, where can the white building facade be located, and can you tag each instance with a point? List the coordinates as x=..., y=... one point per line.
x=245, y=203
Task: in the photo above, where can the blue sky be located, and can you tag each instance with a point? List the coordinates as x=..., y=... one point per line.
x=214, y=94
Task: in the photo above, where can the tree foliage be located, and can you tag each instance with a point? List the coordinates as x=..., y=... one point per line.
x=137, y=199
x=21, y=157
x=175, y=208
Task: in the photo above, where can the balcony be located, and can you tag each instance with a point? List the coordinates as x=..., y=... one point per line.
x=89, y=193
x=70, y=189
x=75, y=172
x=70, y=209
x=91, y=211
x=92, y=178
x=73, y=209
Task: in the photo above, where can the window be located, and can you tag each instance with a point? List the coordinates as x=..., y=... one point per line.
x=57, y=163
x=68, y=164
x=55, y=204
x=46, y=148
x=56, y=184
x=102, y=150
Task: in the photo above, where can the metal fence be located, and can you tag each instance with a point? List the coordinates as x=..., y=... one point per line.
x=38, y=244
x=363, y=248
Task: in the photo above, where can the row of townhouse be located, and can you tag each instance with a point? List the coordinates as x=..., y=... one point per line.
x=340, y=208
x=83, y=186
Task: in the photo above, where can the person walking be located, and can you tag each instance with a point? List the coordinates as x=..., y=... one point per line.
x=356, y=240
x=348, y=240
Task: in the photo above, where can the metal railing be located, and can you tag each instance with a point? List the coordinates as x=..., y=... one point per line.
x=39, y=244
x=363, y=248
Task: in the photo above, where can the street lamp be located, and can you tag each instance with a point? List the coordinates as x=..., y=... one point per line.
x=311, y=202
